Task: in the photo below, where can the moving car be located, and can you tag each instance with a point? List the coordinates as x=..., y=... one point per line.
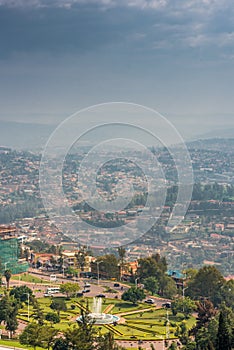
x=149, y=301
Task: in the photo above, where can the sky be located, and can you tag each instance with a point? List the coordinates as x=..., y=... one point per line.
x=176, y=56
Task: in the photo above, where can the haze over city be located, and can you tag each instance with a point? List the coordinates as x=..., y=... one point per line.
x=60, y=56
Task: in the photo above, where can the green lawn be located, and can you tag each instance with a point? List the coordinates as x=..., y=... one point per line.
x=26, y=277
x=15, y=343
x=148, y=325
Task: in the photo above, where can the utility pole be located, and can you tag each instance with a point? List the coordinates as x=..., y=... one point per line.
x=168, y=327
x=28, y=304
x=98, y=263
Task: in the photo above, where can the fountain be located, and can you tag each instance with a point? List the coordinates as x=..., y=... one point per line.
x=97, y=316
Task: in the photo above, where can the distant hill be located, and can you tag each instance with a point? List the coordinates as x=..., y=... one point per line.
x=33, y=137
x=218, y=144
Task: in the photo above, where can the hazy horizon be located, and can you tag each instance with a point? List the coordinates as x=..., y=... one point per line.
x=60, y=56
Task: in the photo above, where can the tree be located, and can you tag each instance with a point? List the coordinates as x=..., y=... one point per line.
x=21, y=293
x=206, y=312
x=38, y=312
x=182, y=333
x=60, y=344
x=107, y=342
x=52, y=317
x=81, y=337
x=31, y=335
x=223, y=336
x=207, y=283
x=122, y=254
x=173, y=346
x=167, y=286
x=8, y=312
x=184, y=305
x=7, y=274
x=58, y=305
x=48, y=335
x=80, y=258
x=148, y=267
x=133, y=295
x=69, y=288
x=36, y=335
x=227, y=293
x=108, y=266
x=151, y=284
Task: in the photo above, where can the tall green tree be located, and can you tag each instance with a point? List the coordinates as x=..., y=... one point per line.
x=21, y=293
x=223, y=336
x=107, y=342
x=36, y=335
x=81, y=258
x=38, y=314
x=60, y=344
x=184, y=305
x=122, y=255
x=7, y=274
x=69, y=288
x=151, y=284
x=207, y=283
x=205, y=313
x=8, y=312
x=52, y=317
x=58, y=305
x=108, y=267
x=133, y=295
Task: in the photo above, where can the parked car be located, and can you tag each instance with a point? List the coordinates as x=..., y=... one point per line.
x=116, y=285
x=69, y=277
x=149, y=301
x=48, y=295
x=167, y=305
x=85, y=290
x=79, y=294
x=100, y=296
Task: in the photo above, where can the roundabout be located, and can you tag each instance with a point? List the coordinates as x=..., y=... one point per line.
x=97, y=316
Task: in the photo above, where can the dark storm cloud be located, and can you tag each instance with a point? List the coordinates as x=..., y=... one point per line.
x=62, y=26
x=54, y=30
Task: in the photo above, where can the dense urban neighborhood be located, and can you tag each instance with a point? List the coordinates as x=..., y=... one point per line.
x=167, y=290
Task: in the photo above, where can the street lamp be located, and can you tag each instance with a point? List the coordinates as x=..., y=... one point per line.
x=183, y=290
x=5, y=264
x=98, y=263
x=28, y=304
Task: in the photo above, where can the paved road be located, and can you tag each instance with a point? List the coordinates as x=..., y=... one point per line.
x=94, y=289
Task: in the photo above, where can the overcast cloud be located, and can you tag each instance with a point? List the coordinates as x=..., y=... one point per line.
x=57, y=56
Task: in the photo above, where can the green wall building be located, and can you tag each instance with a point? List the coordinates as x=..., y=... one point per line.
x=10, y=253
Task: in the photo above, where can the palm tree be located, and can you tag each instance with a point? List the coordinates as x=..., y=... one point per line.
x=122, y=254
x=7, y=274
x=81, y=258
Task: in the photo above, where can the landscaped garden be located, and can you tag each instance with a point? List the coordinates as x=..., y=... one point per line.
x=136, y=321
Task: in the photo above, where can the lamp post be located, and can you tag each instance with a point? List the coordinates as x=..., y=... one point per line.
x=98, y=263
x=28, y=304
x=5, y=264
x=183, y=290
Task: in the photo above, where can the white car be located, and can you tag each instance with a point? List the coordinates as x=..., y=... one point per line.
x=149, y=301
x=48, y=295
